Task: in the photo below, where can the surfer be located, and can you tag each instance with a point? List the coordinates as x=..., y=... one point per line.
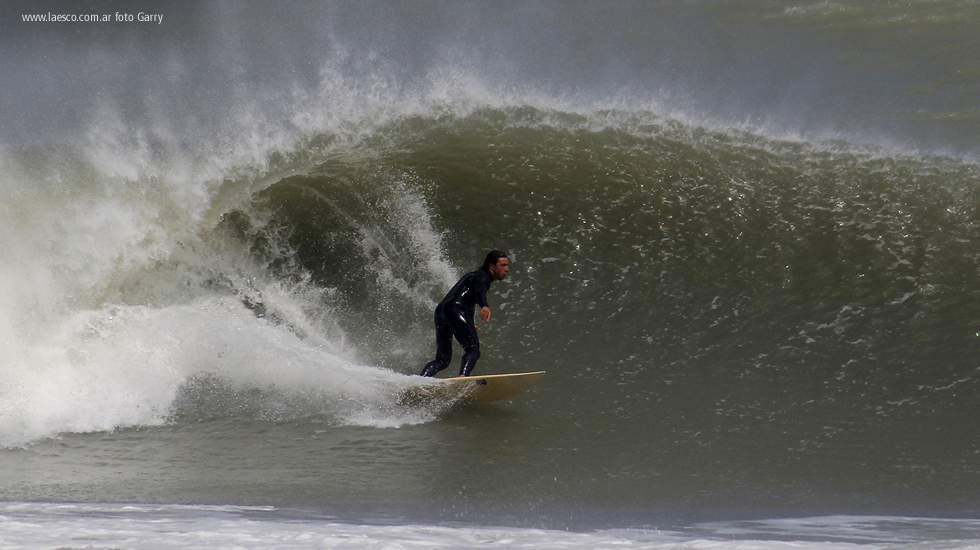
x=454, y=314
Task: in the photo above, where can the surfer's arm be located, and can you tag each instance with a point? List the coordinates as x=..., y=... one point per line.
x=481, y=287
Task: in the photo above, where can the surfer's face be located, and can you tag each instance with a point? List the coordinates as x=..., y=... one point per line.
x=499, y=270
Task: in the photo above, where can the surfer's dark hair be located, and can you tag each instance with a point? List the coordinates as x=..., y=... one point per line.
x=492, y=258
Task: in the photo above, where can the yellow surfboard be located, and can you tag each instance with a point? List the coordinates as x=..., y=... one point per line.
x=489, y=387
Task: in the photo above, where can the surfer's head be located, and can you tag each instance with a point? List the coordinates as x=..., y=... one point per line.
x=497, y=264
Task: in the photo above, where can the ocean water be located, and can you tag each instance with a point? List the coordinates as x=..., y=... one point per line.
x=744, y=238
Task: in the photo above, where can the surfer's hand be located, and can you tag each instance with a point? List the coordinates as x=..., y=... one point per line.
x=485, y=314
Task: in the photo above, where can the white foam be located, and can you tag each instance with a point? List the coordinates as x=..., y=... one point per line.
x=124, y=365
x=150, y=527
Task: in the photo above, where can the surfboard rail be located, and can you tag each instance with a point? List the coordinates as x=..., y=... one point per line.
x=483, y=388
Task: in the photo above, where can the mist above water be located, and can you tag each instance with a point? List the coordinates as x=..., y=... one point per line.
x=893, y=74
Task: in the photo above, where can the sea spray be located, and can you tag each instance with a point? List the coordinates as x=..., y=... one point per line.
x=124, y=285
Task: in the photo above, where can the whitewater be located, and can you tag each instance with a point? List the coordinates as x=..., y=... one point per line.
x=745, y=241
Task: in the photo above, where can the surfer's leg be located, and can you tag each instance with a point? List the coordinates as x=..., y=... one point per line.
x=465, y=334
x=469, y=361
x=444, y=346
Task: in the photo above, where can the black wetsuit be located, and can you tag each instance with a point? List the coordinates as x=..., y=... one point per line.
x=454, y=317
